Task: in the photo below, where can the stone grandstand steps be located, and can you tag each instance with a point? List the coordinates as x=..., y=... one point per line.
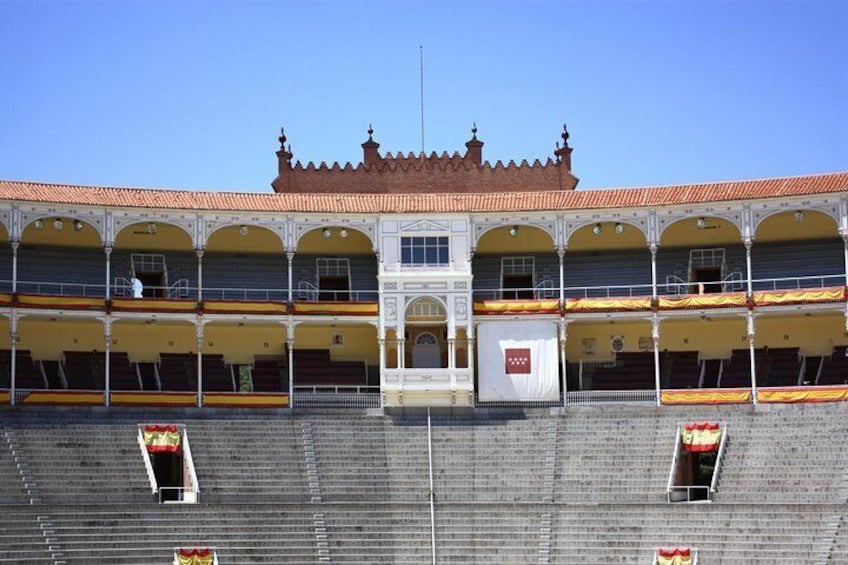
x=22, y=540
x=370, y=458
x=79, y=462
x=494, y=460
x=248, y=460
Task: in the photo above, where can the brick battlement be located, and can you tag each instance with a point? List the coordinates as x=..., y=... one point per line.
x=421, y=173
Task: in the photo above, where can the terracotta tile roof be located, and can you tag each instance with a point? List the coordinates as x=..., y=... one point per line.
x=23, y=191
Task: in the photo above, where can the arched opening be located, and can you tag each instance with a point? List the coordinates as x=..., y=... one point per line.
x=335, y=264
x=62, y=256
x=797, y=249
x=515, y=262
x=607, y=259
x=701, y=255
x=426, y=332
x=244, y=262
x=154, y=260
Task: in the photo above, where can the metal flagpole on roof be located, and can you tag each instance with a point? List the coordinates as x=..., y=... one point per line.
x=421, y=84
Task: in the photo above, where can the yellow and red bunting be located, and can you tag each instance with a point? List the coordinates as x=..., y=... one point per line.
x=675, y=556
x=803, y=394
x=161, y=438
x=622, y=304
x=701, y=437
x=195, y=556
x=516, y=307
x=707, y=396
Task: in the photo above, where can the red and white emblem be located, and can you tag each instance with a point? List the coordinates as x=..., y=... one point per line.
x=517, y=361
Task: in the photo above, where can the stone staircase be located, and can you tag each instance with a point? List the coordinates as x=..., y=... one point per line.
x=564, y=486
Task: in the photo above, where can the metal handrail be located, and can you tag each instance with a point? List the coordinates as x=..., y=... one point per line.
x=432, y=492
x=336, y=389
x=688, y=489
x=719, y=456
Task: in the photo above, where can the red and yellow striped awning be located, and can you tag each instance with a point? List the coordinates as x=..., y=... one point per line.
x=195, y=556
x=625, y=304
x=808, y=296
x=803, y=394
x=674, y=556
x=701, y=437
x=516, y=307
x=697, y=301
x=161, y=438
x=335, y=308
x=707, y=396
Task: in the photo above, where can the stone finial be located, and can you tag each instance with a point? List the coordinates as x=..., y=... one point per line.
x=284, y=157
x=474, y=147
x=563, y=153
x=370, y=149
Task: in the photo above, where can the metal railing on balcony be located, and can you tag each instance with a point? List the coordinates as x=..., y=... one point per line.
x=599, y=397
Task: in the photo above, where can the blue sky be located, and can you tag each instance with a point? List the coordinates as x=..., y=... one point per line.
x=191, y=94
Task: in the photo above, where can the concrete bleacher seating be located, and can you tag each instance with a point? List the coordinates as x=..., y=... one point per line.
x=270, y=374
x=27, y=372
x=631, y=371
x=680, y=369
x=835, y=368
x=781, y=366
x=582, y=485
x=83, y=370
x=177, y=371
x=736, y=371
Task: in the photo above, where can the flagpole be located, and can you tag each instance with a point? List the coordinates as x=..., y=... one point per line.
x=421, y=91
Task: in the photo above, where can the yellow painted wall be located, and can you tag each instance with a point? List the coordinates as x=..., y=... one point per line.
x=47, y=340
x=166, y=238
x=144, y=342
x=67, y=236
x=5, y=338
x=257, y=240
x=360, y=342
x=783, y=227
x=713, y=338
x=815, y=335
x=240, y=344
x=603, y=333
x=528, y=240
x=685, y=233
x=356, y=243
x=585, y=240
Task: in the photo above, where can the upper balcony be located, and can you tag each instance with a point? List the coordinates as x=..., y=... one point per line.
x=700, y=263
x=153, y=267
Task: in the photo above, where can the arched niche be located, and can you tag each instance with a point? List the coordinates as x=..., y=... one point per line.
x=797, y=225
x=335, y=240
x=61, y=231
x=244, y=238
x=515, y=239
x=700, y=232
x=153, y=236
x=607, y=236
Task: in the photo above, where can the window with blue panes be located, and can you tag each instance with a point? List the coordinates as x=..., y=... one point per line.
x=424, y=250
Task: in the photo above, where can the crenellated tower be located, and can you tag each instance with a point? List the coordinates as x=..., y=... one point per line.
x=423, y=173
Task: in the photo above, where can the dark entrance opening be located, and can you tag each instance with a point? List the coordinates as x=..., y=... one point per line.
x=168, y=469
x=154, y=284
x=333, y=288
x=517, y=287
x=707, y=280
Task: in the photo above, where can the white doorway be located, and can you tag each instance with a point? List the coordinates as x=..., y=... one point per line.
x=425, y=352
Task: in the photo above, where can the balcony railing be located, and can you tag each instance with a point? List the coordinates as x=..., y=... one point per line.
x=122, y=288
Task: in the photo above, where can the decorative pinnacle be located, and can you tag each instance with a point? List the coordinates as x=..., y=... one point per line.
x=282, y=138
x=474, y=130
x=564, y=136
x=370, y=132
